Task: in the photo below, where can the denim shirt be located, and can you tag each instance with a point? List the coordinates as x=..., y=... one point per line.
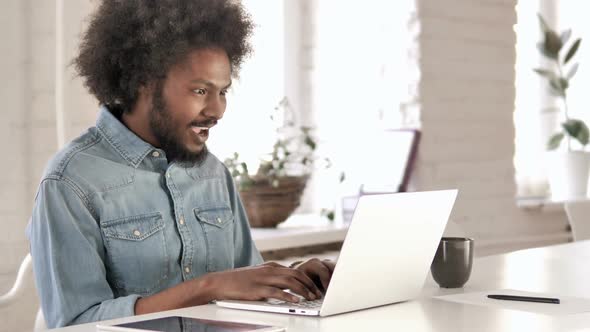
x=113, y=221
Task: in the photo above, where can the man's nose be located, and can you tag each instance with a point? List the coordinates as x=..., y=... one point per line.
x=215, y=107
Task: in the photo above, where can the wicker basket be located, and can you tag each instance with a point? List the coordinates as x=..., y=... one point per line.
x=268, y=206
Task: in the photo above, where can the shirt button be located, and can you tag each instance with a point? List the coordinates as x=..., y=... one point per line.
x=136, y=233
x=155, y=154
x=187, y=269
x=168, y=175
x=181, y=221
x=219, y=220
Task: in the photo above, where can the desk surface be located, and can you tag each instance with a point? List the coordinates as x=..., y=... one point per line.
x=561, y=269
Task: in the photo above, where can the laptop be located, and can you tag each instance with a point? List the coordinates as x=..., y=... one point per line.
x=385, y=257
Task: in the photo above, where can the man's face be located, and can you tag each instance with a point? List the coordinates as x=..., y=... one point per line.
x=189, y=102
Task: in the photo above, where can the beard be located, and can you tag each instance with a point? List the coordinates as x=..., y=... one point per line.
x=168, y=135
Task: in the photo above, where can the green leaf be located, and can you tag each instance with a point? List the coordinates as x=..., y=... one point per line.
x=572, y=71
x=543, y=23
x=244, y=168
x=565, y=36
x=564, y=83
x=328, y=214
x=541, y=47
x=310, y=142
x=572, y=50
x=558, y=86
x=554, y=141
x=545, y=72
x=552, y=44
x=577, y=129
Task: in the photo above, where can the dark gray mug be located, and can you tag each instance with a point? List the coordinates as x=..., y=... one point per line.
x=452, y=262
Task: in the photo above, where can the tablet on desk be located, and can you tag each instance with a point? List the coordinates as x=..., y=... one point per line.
x=187, y=324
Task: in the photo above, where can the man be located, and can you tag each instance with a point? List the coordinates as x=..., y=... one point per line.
x=135, y=215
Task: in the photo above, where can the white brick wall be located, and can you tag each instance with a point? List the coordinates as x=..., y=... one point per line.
x=80, y=108
x=18, y=63
x=28, y=126
x=466, y=97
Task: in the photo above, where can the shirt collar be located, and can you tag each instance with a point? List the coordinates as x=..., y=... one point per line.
x=124, y=141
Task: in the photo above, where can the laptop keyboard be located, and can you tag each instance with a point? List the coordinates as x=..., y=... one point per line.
x=302, y=304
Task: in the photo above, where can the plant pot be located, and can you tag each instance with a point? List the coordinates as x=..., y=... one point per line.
x=268, y=206
x=568, y=174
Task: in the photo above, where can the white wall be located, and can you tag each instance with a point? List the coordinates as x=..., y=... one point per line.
x=27, y=32
x=466, y=95
x=28, y=124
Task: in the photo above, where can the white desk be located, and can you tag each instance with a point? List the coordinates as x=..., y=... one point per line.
x=562, y=269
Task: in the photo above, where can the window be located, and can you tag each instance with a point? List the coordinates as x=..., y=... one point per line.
x=528, y=115
x=347, y=75
x=246, y=127
x=362, y=85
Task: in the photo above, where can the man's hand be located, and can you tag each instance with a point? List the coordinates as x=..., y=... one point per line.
x=251, y=283
x=320, y=271
x=262, y=282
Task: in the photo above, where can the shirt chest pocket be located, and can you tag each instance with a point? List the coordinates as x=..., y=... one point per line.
x=218, y=227
x=136, y=253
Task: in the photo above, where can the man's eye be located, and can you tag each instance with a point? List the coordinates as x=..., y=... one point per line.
x=223, y=92
x=199, y=91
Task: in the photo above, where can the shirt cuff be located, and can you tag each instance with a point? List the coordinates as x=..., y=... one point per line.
x=110, y=309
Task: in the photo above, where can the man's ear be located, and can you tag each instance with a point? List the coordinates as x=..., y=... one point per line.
x=146, y=92
x=144, y=98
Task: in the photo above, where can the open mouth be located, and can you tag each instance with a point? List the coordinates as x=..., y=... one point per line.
x=201, y=129
x=202, y=132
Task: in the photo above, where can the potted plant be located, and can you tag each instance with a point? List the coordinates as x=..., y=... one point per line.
x=274, y=192
x=569, y=166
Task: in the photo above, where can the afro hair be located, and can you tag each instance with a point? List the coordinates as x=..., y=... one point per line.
x=131, y=43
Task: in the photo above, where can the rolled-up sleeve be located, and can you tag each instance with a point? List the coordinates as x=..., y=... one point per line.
x=68, y=259
x=246, y=253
